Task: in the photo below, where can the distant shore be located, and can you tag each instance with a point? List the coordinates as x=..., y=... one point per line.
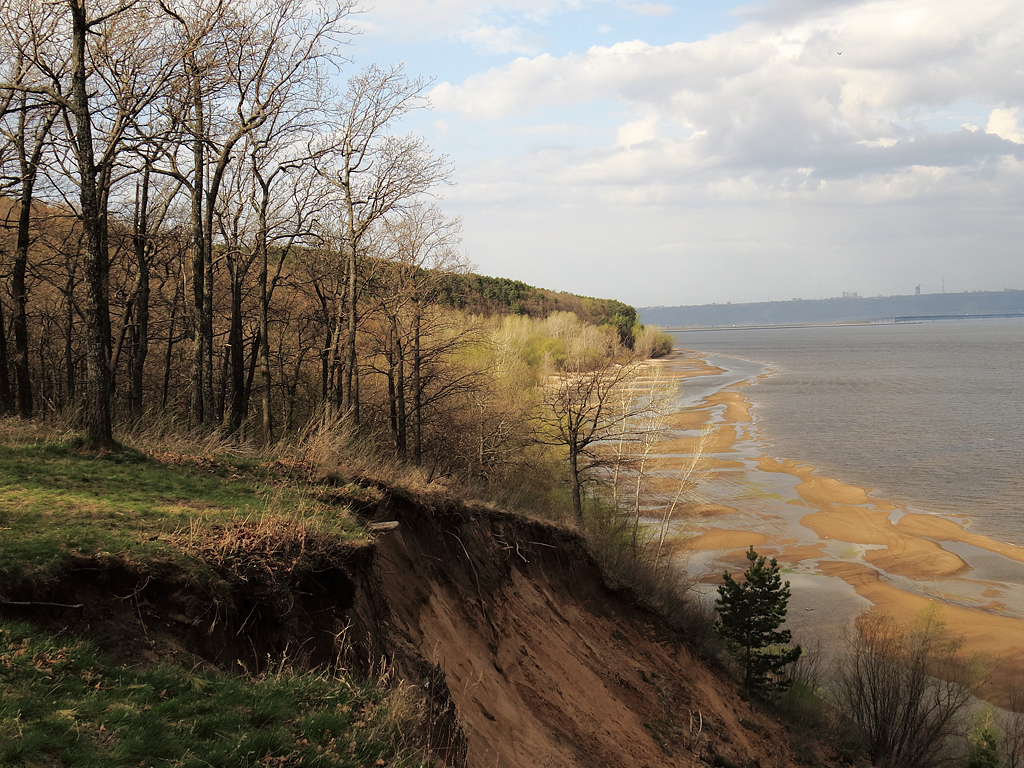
x=697, y=329
x=845, y=550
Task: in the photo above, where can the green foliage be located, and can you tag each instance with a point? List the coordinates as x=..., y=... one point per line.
x=983, y=741
x=62, y=703
x=983, y=750
x=502, y=296
x=545, y=350
x=750, y=614
x=650, y=340
x=622, y=318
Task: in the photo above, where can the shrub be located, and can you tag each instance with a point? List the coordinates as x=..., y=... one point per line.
x=907, y=690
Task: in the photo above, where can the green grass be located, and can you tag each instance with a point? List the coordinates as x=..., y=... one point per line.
x=62, y=703
x=56, y=500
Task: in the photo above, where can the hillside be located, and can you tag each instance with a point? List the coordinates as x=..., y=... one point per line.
x=517, y=648
x=485, y=295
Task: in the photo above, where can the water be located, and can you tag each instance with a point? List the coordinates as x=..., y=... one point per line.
x=930, y=415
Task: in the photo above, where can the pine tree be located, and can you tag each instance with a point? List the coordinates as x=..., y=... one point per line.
x=750, y=614
x=983, y=751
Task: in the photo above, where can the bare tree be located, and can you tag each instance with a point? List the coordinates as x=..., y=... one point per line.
x=374, y=174
x=26, y=120
x=419, y=248
x=118, y=66
x=582, y=407
x=253, y=64
x=907, y=689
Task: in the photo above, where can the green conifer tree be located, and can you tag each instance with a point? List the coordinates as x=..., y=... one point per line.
x=750, y=614
x=983, y=750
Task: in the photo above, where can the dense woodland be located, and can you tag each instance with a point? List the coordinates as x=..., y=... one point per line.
x=197, y=227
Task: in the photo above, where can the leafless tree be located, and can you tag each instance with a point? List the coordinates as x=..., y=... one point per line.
x=907, y=689
x=26, y=121
x=582, y=407
x=254, y=64
x=418, y=248
x=374, y=174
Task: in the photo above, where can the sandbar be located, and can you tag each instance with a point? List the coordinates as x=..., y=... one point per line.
x=713, y=539
x=895, y=561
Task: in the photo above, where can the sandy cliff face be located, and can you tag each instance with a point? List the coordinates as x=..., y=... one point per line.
x=544, y=664
x=522, y=654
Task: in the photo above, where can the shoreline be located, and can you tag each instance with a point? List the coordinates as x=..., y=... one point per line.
x=844, y=549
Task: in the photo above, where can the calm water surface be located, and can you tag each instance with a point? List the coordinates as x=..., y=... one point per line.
x=930, y=414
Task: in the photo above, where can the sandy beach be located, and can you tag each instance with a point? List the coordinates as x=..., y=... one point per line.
x=844, y=549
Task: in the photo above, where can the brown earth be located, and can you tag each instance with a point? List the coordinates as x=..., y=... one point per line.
x=549, y=665
x=523, y=652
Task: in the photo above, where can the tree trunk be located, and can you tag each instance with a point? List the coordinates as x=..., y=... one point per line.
x=6, y=400
x=389, y=354
x=169, y=357
x=198, y=414
x=236, y=352
x=417, y=388
x=349, y=393
x=254, y=356
x=574, y=482
x=18, y=291
x=210, y=410
x=99, y=423
x=69, y=339
x=400, y=394
x=264, y=352
x=264, y=331
x=140, y=342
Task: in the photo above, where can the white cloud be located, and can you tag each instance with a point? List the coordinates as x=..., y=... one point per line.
x=559, y=129
x=780, y=95
x=638, y=131
x=1003, y=123
x=490, y=40
x=758, y=144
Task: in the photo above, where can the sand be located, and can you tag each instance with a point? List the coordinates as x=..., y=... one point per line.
x=895, y=561
x=714, y=539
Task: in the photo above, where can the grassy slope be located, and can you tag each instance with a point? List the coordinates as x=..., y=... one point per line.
x=55, y=500
x=64, y=703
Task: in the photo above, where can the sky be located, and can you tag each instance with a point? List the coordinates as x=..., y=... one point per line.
x=675, y=153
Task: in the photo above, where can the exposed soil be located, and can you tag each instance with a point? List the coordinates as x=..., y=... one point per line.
x=523, y=654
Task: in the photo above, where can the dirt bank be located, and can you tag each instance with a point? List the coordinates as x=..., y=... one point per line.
x=547, y=665
x=522, y=653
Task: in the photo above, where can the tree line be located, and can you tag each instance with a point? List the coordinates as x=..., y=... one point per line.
x=196, y=223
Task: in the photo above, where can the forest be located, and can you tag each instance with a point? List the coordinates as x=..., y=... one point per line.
x=211, y=221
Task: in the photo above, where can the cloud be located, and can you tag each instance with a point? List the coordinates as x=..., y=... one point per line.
x=1003, y=123
x=651, y=9
x=489, y=40
x=758, y=146
x=638, y=132
x=774, y=95
x=559, y=129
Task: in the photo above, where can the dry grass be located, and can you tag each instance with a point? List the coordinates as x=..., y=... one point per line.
x=279, y=543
